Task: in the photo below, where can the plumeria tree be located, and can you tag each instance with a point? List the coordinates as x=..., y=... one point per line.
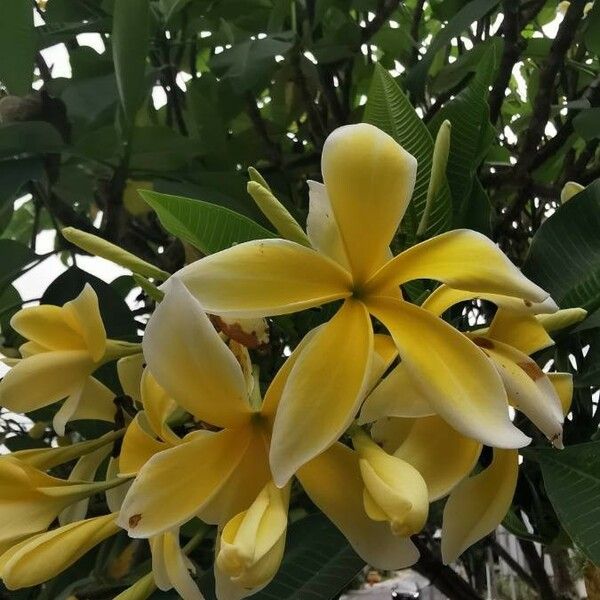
x=358, y=323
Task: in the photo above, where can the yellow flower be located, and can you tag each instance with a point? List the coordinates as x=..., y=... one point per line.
x=369, y=180
x=31, y=499
x=251, y=544
x=171, y=567
x=394, y=490
x=66, y=345
x=43, y=556
x=223, y=465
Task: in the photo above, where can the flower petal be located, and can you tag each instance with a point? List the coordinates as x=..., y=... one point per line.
x=369, y=180
x=563, y=385
x=333, y=482
x=440, y=453
x=321, y=227
x=385, y=353
x=139, y=445
x=191, y=362
x=323, y=392
x=396, y=396
x=42, y=557
x=97, y=402
x=242, y=487
x=521, y=331
x=464, y=260
x=443, y=297
x=45, y=325
x=458, y=380
x=264, y=278
x=176, y=567
x=130, y=370
x=528, y=388
x=158, y=407
x=44, y=378
x=83, y=315
x=478, y=505
x=152, y=507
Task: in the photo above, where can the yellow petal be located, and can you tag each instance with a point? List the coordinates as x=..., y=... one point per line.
x=462, y=259
x=252, y=542
x=393, y=485
x=396, y=396
x=443, y=297
x=242, y=487
x=139, y=445
x=385, y=353
x=191, y=362
x=478, y=505
x=130, y=370
x=265, y=278
x=83, y=315
x=158, y=406
x=44, y=556
x=174, y=567
x=45, y=325
x=84, y=470
x=47, y=458
x=562, y=319
x=321, y=226
x=157, y=501
x=142, y=589
x=323, y=392
x=369, y=180
x=522, y=331
x=43, y=379
x=116, y=495
x=97, y=402
x=563, y=385
x=458, y=380
x=334, y=483
x=442, y=455
x=528, y=389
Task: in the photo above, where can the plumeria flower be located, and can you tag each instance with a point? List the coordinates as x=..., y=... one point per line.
x=516, y=331
x=66, y=344
x=222, y=469
x=368, y=182
x=41, y=557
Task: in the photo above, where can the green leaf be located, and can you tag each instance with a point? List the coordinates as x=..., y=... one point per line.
x=471, y=136
x=572, y=481
x=318, y=564
x=15, y=256
x=17, y=46
x=28, y=137
x=587, y=123
x=473, y=11
x=249, y=65
x=389, y=109
x=513, y=523
x=116, y=315
x=13, y=175
x=564, y=257
x=592, y=34
x=208, y=227
x=130, y=40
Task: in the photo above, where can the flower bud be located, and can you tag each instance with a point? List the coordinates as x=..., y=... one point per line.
x=394, y=490
x=252, y=543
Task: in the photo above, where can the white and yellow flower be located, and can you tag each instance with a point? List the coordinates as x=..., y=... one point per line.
x=353, y=217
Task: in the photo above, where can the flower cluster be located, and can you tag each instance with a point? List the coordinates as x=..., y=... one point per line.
x=376, y=413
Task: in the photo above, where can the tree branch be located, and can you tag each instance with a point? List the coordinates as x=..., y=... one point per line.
x=384, y=12
x=538, y=572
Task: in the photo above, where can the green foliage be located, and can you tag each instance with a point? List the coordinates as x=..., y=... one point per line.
x=572, y=480
x=208, y=227
x=148, y=142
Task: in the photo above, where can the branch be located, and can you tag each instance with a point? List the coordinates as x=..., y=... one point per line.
x=414, y=30
x=541, y=109
x=442, y=576
x=513, y=564
x=538, y=572
x=384, y=12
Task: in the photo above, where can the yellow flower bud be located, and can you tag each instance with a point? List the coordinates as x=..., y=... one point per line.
x=570, y=189
x=394, y=490
x=252, y=543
